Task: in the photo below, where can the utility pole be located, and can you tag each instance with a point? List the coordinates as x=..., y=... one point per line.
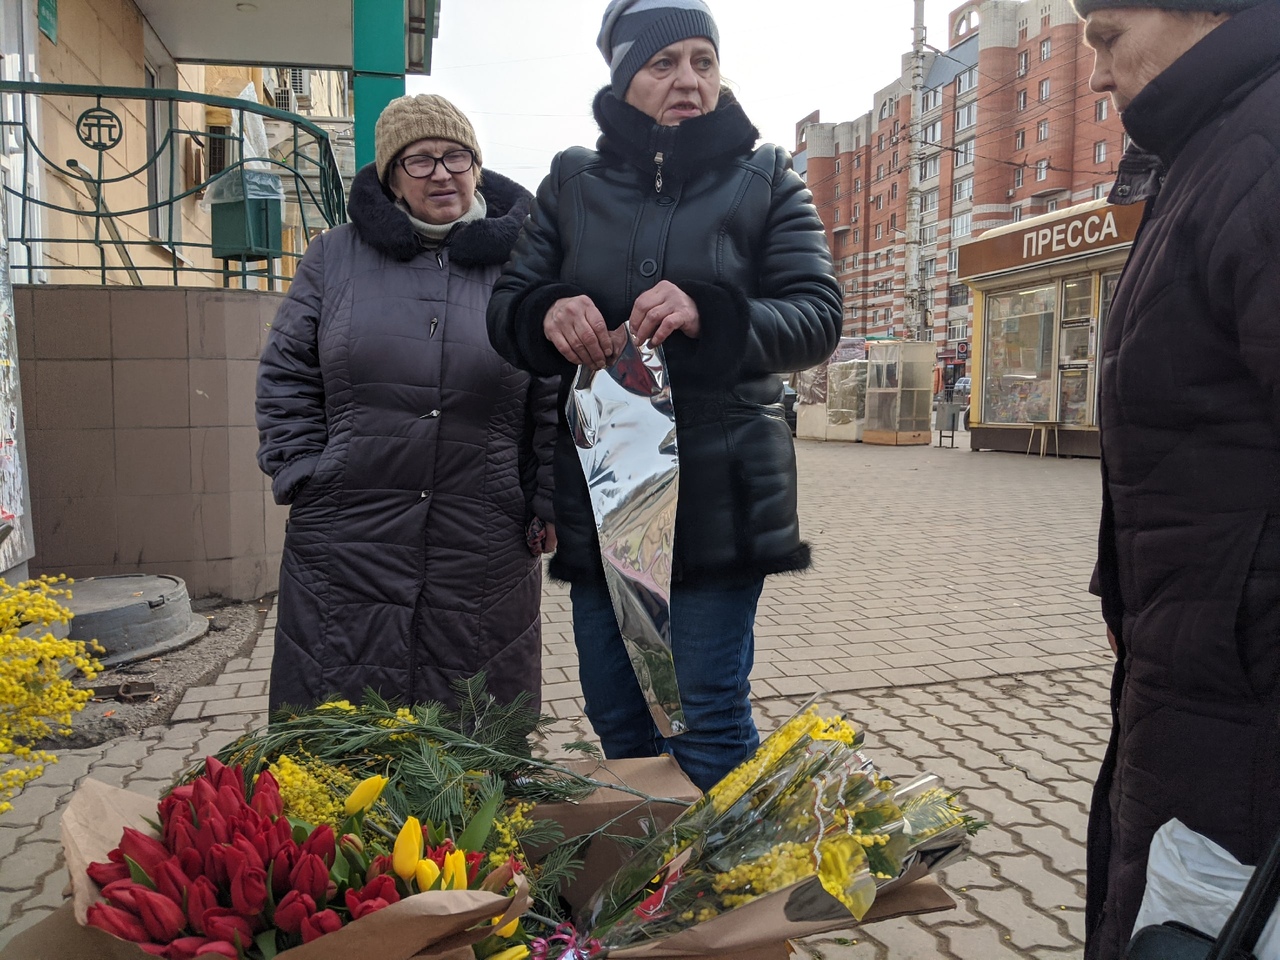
x=914, y=295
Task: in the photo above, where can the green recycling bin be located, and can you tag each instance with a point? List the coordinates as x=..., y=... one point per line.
x=247, y=215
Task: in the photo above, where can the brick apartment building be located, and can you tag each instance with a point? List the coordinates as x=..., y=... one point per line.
x=1010, y=129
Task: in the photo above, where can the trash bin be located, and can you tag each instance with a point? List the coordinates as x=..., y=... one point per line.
x=246, y=213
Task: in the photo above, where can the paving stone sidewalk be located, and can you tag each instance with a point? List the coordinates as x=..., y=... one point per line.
x=945, y=612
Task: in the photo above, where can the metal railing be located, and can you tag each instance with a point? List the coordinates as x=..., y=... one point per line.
x=257, y=212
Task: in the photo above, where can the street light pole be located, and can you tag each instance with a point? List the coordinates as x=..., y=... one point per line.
x=917, y=311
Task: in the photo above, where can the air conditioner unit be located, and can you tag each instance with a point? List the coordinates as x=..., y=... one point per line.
x=286, y=99
x=1010, y=193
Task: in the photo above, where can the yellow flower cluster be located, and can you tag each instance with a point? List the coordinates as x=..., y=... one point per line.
x=312, y=790
x=739, y=780
x=507, y=830
x=780, y=867
x=37, y=699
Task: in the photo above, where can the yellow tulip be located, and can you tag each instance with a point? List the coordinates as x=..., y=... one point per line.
x=455, y=871
x=509, y=929
x=365, y=795
x=427, y=874
x=408, y=849
x=512, y=953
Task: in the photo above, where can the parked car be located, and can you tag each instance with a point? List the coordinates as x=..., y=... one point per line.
x=960, y=391
x=789, y=406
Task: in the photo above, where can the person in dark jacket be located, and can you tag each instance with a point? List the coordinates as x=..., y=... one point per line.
x=417, y=462
x=1189, y=550
x=682, y=231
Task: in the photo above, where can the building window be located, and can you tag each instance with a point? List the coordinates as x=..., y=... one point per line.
x=928, y=268
x=888, y=259
x=857, y=184
x=962, y=190
x=929, y=167
x=880, y=144
x=966, y=116
x=1019, y=139
x=1017, y=177
x=219, y=141
x=961, y=225
x=953, y=261
x=857, y=235
x=1102, y=109
x=1022, y=99
x=933, y=133
x=1024, y=63
x=931, y=100
x=886, y=109
x=893, y=192
x=893, y=221
x=1017, y=214
x=853, y=217
x=928, y=233
x=837, y=191
x=958, y=295
x=1100, y=152
x=967, y=80
x=857, y=164
x=879, y=233
x=1042, y=131
x=1042, y=169
x=1051, y=206
x=895, y=168
x=1100, y=191
x=879, y=201
x=964, y=153
x=1046, y=48
x=837, y=220
x=880, y=172
x=1044, y=90
x=837, y=164
x=929, y=200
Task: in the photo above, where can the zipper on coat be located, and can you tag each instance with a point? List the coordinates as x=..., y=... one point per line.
x=434, y=323
x=657, y=179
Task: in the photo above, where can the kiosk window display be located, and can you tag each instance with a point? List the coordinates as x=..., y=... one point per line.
x=1042, y=291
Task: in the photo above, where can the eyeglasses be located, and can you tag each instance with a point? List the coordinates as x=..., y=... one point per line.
x=422, y=165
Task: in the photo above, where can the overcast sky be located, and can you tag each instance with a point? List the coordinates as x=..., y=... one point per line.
x=525, y=71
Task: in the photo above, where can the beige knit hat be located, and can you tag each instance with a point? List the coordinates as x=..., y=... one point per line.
x=426, y=116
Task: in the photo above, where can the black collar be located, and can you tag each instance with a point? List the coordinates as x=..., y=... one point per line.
x=1206, y=81
x=384, y=226
x=711, y=140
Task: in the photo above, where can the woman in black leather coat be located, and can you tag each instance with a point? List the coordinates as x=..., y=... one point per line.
x=682, y=230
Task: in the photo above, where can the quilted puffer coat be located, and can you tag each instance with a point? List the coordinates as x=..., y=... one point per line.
x=734, y=228
x=1189, y=558
x=414, y=458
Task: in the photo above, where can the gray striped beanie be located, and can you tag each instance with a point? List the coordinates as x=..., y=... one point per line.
x=1086, y=7
x=634, y=30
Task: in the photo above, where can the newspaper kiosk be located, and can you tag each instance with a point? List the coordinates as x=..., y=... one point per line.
x=1042, y=289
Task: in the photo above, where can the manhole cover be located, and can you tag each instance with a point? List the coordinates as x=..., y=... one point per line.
x=133, y=616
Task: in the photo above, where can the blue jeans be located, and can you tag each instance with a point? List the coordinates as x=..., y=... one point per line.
x=713, y=644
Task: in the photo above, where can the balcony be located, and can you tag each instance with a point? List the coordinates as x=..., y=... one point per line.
x=146, y=186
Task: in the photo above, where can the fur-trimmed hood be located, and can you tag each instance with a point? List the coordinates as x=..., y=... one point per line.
x=384, y=226
x=710, y=140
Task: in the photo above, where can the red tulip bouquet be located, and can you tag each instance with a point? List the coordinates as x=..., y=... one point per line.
x=228, y=873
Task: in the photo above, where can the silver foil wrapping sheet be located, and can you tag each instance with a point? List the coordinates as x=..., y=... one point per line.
x=624, y=426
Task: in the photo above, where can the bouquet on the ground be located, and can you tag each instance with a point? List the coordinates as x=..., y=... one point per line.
x=417, y=832
x=332, y=815
x=800, y=838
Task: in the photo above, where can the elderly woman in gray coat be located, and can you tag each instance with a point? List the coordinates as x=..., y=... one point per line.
x=416, y=460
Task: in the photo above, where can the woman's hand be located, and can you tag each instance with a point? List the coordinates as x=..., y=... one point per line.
x=575, y=328
x=662, y=310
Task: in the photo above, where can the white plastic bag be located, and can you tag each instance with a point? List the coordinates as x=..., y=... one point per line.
x=1194, y=881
